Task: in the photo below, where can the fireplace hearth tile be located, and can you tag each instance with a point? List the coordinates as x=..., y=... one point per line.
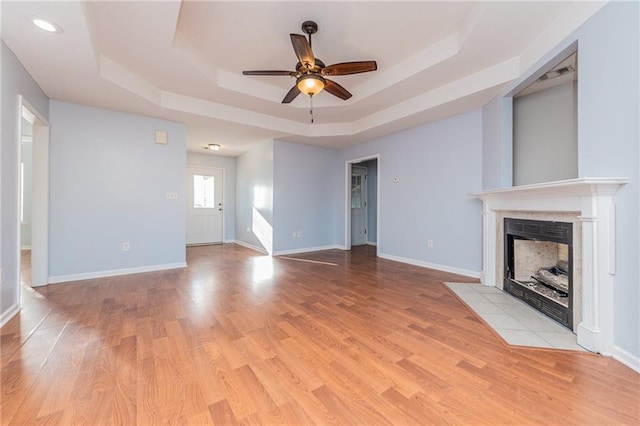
x=475, y=297
x=538, y=322
x=559, y=340
x=523, y=338
x=482, y=289
x=482, y=307
x=503, y=321
x=516, y=322
x=499, y=297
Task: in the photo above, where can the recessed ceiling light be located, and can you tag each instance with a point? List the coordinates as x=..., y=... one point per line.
x=44, y=24
x=212, y=147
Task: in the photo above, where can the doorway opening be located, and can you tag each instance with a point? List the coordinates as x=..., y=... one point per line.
x=205, y=205
x=33, y=198
x=26, y=193
x=361, y=202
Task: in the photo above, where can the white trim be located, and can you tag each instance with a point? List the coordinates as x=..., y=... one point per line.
x=18, y=231
x=115, y=272
x=372, y=243
x=306, y=250
x=347, y=204
x=251, y=246
x=25, y=248
x=363, y=172
x=228, y=241
x=193, y=167
x=347, y=196
x=630, y=360
x=39, y=196
x=443, y=268
x=9, y=313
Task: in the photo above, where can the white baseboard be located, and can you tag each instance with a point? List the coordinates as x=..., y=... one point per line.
x=229, y=241
x=443, y=268
x=9, y=313
x=25, y=247
x=631, y=361
x=372, y=243
x=251, y=246
x=305, y=250
x=114, y=272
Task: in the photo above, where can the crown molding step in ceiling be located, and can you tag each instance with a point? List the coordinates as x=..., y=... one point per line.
x=184, y=61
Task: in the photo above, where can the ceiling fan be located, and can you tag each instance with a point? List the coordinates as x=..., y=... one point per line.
x=311, y=72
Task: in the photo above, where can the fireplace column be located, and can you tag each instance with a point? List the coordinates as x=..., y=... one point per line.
x=595, y=331
x=488, y=275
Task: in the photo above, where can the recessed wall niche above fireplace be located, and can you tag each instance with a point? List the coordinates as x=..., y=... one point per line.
x=538, y=266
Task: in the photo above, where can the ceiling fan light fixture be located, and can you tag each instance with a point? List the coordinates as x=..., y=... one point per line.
x=212, y=147
x=310, y=84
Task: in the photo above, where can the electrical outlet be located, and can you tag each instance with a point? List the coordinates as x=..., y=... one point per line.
x=299, y=234
x=125, y=246
x=430, y=243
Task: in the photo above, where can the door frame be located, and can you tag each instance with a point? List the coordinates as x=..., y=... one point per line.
x=365, y=198
x=40, y=198
x=224, y=205
x=347, y=199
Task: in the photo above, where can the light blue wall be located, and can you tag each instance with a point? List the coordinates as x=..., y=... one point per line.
x=15, y=81
x=497, y=146
x=254, y=197
x=304, y=196
x=228, y=164
x=437, y=166
x=608, y=140
x=609, y=143
x=108, y=185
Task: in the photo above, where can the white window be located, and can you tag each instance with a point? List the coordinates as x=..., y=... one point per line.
x=203, y=192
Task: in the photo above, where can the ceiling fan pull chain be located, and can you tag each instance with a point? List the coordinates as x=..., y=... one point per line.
x=311, y=107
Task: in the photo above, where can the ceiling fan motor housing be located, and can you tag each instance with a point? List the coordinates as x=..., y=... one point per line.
x=309, y=27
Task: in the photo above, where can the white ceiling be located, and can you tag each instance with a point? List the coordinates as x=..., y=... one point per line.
x=183, y=61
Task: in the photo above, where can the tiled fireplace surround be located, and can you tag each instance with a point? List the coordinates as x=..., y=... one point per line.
x=588, y=204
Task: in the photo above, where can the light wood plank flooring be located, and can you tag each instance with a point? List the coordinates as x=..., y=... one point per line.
x=324, y=338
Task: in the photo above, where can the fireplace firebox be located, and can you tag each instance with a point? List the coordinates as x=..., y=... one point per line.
x=539, y=266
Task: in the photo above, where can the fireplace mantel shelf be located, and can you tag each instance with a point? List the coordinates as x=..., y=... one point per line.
x=591, y=201
x=571, y=187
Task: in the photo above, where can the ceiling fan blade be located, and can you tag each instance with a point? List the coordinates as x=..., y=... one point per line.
x=303, y=50
x=268, y=72
x=346, y=68
x=291, y=95
x=336, y=90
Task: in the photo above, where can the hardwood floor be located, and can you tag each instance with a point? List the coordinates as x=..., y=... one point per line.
x=324, y=338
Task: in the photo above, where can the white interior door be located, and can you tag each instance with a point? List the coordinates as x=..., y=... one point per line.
x=204, y=205
x=358, y=206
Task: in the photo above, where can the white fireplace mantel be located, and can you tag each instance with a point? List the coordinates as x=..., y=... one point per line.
x=592, y=201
